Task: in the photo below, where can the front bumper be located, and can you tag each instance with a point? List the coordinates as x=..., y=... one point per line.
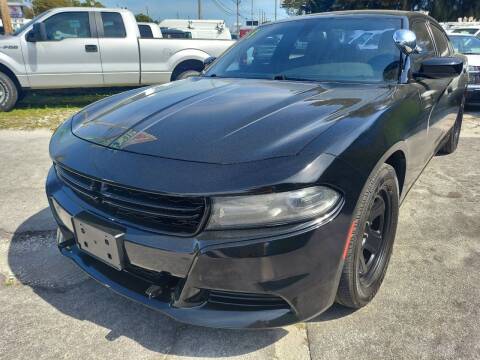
x=264, y=280
x=473, y=94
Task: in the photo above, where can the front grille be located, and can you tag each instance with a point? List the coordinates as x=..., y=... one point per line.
x=167, y=214
x=247, y=300
x=474, y=75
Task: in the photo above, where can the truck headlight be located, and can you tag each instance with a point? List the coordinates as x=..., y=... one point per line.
x=272, y=209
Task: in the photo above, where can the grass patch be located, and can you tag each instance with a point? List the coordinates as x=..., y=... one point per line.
x=48, y=109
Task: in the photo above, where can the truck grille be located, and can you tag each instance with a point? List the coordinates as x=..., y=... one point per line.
x=167, y=214
x=474, y=75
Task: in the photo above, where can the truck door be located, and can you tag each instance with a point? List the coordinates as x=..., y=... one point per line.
x=119, y=48
x=69, y=57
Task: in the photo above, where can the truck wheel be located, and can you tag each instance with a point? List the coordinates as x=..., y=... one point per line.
x=371, y=239
x=187, y=74
x=8, y=93
x=454, y=135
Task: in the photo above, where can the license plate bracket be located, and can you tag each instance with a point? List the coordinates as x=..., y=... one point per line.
x=102, y=241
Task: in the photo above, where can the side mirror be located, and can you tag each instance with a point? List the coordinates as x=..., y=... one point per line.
x=406, y=41
x=38, y=33
x=440, y=68
x=208, y=61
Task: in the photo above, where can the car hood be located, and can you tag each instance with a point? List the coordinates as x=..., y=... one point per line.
x=473, y=60
x=221, y=121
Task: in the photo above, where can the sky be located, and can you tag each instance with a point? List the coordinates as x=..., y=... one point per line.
x=211, y=9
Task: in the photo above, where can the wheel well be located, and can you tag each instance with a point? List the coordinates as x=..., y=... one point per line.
x=11, y=75
x=398, y=161
x=195, y=65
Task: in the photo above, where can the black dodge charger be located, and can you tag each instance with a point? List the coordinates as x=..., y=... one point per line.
x=268, y=187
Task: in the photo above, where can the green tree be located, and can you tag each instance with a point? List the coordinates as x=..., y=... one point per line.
x=442, y=10
x=141, y=17
x=28, y=13
x=40, y=6
x=88, y=3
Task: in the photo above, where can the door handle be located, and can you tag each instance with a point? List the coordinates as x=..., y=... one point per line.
x=91, y=48
x=449, y=90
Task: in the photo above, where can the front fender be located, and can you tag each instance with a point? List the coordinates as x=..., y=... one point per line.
x=11, y=58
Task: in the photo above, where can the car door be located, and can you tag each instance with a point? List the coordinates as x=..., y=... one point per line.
x=419, y=140
x=69, y=56
x=445, y=112
x=119, y=49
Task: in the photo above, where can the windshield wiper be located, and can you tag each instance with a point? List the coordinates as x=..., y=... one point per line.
x=288, y=78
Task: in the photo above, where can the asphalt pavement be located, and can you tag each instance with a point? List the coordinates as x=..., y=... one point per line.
x=427, y=308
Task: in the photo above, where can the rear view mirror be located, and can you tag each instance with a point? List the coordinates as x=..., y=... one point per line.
x=38, y=33
x=441, y=67
x=406, y=41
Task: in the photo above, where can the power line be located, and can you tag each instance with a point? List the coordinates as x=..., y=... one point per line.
x=223, y=8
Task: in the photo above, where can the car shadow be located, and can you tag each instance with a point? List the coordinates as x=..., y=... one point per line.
x=336, y=311
x=35, y=262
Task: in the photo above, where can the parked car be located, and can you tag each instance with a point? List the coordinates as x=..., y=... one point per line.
x=88, y=47
x=149, y=30
x=262, y=191
x=469, y=45
x=199, y=29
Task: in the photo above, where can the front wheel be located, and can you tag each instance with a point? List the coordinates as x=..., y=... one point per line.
x=8, y=93
x=371, y=243
x=186, y=74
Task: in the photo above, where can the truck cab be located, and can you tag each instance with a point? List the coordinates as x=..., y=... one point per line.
x=93, y=47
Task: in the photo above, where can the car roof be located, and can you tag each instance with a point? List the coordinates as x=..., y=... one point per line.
x=89, y=9
x=400, y=13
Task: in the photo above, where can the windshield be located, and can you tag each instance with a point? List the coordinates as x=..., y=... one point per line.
x=468, y=45
x=471, y=31
x=317, y=49
x=27, y=24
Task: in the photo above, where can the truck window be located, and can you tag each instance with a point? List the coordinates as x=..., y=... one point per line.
x=145, y=32
x=68, y=25
x=113, y=26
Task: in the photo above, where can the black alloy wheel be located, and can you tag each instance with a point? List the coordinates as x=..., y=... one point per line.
x=371, y=243
x=374, y=247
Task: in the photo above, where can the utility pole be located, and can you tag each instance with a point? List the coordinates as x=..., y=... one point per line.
x=199, y=9
x=251, y=18
x=276, y=5
x=7, y=21
x=238, y=17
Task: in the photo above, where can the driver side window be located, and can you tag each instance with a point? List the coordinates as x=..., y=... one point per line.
x=424, y=41
x=68, y=25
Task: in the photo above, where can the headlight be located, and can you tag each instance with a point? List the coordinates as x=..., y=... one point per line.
x=272, y=209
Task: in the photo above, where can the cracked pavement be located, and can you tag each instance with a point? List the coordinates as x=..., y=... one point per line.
x=427, y=308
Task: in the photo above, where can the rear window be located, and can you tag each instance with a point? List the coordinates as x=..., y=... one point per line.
x=145, y=32
x=113, y=26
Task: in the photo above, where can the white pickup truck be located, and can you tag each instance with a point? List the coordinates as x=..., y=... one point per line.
x=92, y=47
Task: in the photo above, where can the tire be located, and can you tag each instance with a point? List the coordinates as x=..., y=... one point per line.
x=363, y=273
x=8, y=93
x=186, y=74
x=453, y=136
